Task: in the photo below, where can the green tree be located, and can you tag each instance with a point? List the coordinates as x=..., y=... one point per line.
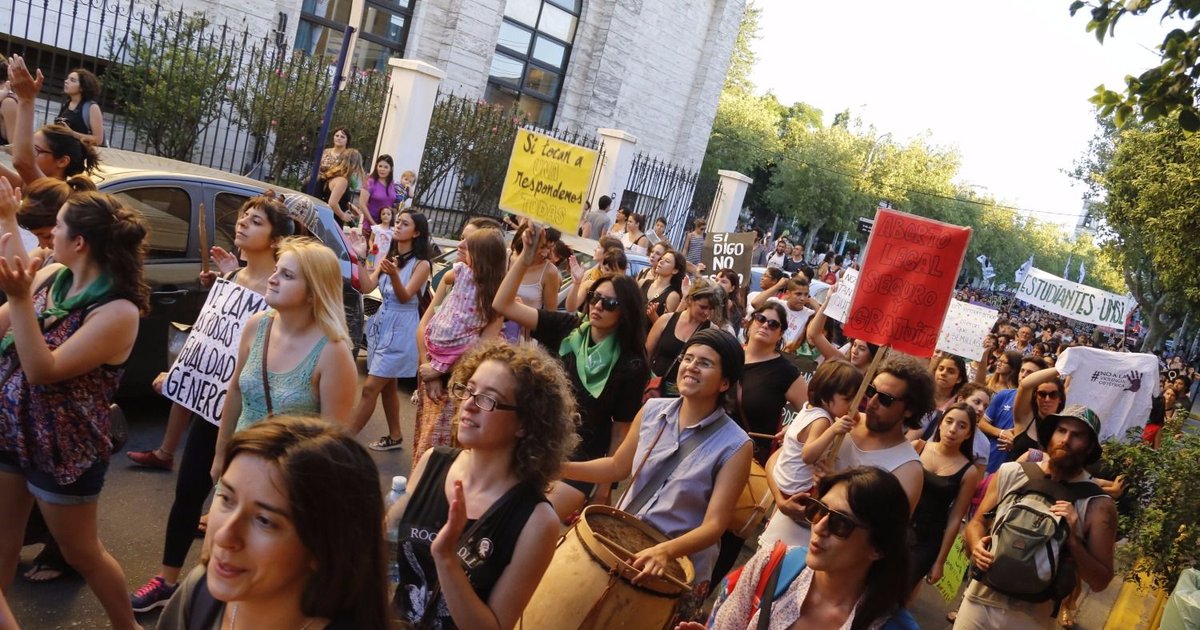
x=172, y=84
x=741, y=63
x=1166, y=89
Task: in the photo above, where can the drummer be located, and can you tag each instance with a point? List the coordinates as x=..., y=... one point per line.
x=474, y=511
x=690, y=499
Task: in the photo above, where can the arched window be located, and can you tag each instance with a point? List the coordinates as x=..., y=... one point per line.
x=531, y=56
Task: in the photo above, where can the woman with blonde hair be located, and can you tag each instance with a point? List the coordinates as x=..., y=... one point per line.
x=341, y=184
x=476, y=532
x=295, y=358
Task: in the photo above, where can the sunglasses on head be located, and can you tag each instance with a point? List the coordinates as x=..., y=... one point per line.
x=1051, y=395
x=606, y=303
x=884, y=399
x=763, y=320
x=839, y=524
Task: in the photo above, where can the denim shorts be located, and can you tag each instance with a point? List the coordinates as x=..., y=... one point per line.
x=85, y=489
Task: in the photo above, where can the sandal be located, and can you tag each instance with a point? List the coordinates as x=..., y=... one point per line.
x=45, y=569
x=202, y=526
x=1066, y=618
x=386, y=443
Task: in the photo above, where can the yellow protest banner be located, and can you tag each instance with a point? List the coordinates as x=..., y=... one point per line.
x=547, y=180
x=954, y=570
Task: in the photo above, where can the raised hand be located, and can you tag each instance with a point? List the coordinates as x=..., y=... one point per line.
x=23, y=84
x=10, y=199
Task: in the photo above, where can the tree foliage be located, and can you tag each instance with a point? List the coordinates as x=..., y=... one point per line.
x=741, y=64
x=1166, y=89
x=172, y=83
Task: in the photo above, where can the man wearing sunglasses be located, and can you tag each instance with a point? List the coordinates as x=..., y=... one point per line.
x=895, y=401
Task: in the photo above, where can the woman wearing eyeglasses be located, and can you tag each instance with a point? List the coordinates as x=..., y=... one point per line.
x=603, y=355
x=1039, y=395
x=473, y=511
x=852, y=574
x=689, y=499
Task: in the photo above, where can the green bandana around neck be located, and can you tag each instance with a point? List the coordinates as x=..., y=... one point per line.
x=594, y=364
x=62, y=305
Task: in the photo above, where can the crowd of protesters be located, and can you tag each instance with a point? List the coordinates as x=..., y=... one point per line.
x=674, y=385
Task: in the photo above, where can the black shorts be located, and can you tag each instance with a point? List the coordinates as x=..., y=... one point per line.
x=43, y=486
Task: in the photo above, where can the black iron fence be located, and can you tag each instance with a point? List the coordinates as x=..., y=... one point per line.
x=660, y=189
x=466, y=157
x=177, y=85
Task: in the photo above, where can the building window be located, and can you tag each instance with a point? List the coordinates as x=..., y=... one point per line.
x=382, y=31
x=531, y=56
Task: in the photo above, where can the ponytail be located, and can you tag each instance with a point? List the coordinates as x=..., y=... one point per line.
x=116, y=237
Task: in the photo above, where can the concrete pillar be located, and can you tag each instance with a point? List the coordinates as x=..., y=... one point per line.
x=618, y=148
x=731, y=193
x=406, y=116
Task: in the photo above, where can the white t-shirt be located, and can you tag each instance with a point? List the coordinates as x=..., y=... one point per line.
x=776, y=260
x=1118, y=386
x=797, y=321
x=792, y=475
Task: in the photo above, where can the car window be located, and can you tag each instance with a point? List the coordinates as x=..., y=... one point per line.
x=227, y=207
x=168, y=213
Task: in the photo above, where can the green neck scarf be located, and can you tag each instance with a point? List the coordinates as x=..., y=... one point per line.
x=594, y=363
x=62, y=305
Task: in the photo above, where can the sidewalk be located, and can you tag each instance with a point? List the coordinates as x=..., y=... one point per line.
x=929, y=608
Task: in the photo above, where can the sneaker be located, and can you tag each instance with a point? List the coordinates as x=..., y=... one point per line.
x=150, y=459
x=386, y=443
x=153, y=595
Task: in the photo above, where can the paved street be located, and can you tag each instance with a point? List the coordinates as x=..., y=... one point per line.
x=133, y=515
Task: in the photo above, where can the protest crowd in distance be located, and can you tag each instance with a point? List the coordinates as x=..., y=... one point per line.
x=673, y=450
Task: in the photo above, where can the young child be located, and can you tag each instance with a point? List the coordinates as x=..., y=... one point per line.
x=404, y=188
x=380, y=237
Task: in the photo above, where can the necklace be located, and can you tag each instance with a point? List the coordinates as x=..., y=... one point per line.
x=233, y=620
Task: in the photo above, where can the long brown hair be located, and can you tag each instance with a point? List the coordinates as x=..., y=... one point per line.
x=116, y=238
x=485, y=247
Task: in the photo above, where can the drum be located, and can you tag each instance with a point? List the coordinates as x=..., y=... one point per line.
x=587, y=585
x=754, y=505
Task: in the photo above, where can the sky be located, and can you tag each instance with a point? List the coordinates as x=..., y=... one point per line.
x=1005, y=82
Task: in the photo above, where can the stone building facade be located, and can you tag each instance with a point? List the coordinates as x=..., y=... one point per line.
x=653, y=68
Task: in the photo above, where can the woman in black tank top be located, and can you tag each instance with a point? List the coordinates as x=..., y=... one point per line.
x=1039, y=396
x=474, y=509
x=669, y=334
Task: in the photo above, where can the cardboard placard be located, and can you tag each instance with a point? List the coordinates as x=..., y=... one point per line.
x=954, y=570
x=200, y=376
x=728, y=250
x=907, y=282
x=839, y=305
x=547, y=180
x=965, y=327
x=1073, y=300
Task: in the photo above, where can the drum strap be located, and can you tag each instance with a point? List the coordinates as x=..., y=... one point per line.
x=669, y=464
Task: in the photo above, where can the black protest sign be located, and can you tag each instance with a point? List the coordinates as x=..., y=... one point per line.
x=728, y=250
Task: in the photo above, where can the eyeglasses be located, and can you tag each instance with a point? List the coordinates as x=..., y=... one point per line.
x=700, y=362
x=884, y=399
x=763, y=320
x=483, y=401
x=839, y=524
x=40, y=151
x=607, y=303
x=1050, y=395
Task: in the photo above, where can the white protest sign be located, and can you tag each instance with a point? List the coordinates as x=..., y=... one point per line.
x=839, y=304
x=964, y=329
x=1073, y=300
x=200, y=377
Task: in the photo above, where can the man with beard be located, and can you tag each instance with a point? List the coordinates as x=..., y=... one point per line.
x=1071, y=444
x=900, y=394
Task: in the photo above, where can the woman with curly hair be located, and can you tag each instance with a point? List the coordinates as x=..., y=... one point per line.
x=474, y=510
x=52, y=151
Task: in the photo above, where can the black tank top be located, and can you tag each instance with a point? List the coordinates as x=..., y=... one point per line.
x=669, y=346
x=73, y=118
x=937, y=497
x=486, y=547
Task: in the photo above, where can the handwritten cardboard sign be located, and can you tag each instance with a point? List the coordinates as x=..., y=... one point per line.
x=839, y=305
x=728, y=250
x=964, y=329
x=547, y=180
x=200, y=376
x=954, y=570
x=1073, y=300
x=907, y=281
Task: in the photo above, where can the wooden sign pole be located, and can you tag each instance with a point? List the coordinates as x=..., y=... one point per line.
x=830, y=457
x=203, y=239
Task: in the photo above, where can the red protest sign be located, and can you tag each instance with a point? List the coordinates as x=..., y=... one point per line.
x=907, y=281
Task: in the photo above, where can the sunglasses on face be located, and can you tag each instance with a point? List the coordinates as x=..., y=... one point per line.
x=484, y=401
x=607, y=303
x=839, y=524
x=1051, y=395
x=763, y=320
x=884, y=399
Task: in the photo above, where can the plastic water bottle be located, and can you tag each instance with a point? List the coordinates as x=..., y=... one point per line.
x=399, y=488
